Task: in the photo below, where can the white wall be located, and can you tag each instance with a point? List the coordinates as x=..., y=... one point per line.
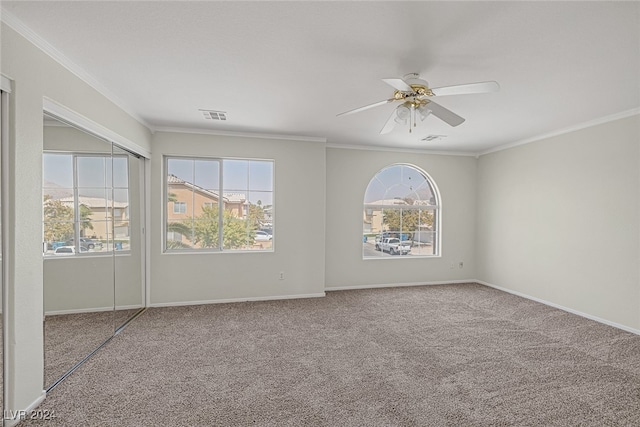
x=558, y=220
x=348, y=174
x=298, y=228
x=35, y=76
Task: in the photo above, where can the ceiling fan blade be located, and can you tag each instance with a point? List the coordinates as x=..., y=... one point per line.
x=366, y=107
x=444, y=114
x=391, y=123
x=482, y=87
x=398, y=84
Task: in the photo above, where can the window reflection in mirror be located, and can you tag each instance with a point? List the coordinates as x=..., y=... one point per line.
x=92, y=243
x=78, y=246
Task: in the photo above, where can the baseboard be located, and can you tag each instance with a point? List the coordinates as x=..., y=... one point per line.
x=560, y=307
x=397, y=285
x=230, y=300
x=13, y=417
x=93, y=310
x=78, y=311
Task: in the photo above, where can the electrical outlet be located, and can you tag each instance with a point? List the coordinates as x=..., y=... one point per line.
x=281, y=275
x=460, y=264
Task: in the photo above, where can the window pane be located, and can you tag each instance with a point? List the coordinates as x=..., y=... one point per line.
x=181, y=169
x=206, y=231
x=120, y=204
x=260, y=210
x=260, y=176
x=389, y=176
x=375, y=192
x=57, y=234
x=121, y=235
x=179, y=234
x=235, y=232
x=92, y=172
x=57, y=173
x=207, y=175
x=120, y=172
x=236, y=203
x=235, y=175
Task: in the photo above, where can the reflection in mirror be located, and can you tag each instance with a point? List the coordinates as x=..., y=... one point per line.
x=127, y=234
x=78, y=246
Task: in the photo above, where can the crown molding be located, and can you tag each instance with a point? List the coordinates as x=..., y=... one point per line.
x=239, y=134
x=579, y=126
x=401, y=150
x=46, y=47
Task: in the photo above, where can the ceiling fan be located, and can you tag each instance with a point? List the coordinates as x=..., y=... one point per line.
x=414, y=94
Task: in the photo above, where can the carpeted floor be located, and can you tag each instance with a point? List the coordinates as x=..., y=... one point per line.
x=452, y=355
x=69, y=338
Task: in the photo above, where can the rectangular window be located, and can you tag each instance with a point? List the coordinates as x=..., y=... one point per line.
x=179, y=207
x=85, y=203
x=218, y=204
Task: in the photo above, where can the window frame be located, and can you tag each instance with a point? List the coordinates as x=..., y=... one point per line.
x=436, y=208
x=182, y=209
x=220, y=248
x=108, y=188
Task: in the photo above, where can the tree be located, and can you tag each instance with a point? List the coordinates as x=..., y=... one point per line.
x=178, y=228
x=256, y=216
x=85, y=219
x=205, y=228
x=406, y=220
x=235, y=231
x=58, y=220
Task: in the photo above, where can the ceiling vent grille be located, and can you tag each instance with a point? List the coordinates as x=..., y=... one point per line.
x=214, y=114
x=433, y=137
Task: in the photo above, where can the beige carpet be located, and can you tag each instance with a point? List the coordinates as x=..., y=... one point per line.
x=453, y=355
x=69, y=338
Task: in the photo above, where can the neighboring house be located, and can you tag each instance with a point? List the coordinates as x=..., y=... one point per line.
x=102, y=215
x=187, y=200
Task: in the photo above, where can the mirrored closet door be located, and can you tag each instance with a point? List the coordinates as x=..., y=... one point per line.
x=128, y=177
x=92, y=244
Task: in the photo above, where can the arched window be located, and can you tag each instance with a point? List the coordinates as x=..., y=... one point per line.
x=401, y=214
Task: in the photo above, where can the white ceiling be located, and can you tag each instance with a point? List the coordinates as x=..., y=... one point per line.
x=288, y=68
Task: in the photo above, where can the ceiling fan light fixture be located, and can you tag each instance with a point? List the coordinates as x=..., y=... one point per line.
x=402, y=114
x=424, y=112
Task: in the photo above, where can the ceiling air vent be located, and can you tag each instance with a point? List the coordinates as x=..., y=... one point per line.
x=433, y=137
x=214, y=114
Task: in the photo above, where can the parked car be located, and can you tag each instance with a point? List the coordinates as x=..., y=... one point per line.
x=86, y=243
x=55, y=245
x=263, y=236
x=68, y=250
x=394, y=246
x=380, y=238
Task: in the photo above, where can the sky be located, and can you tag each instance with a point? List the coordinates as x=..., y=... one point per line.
x=254, y=178
x=398, y=181
x=94, y=174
